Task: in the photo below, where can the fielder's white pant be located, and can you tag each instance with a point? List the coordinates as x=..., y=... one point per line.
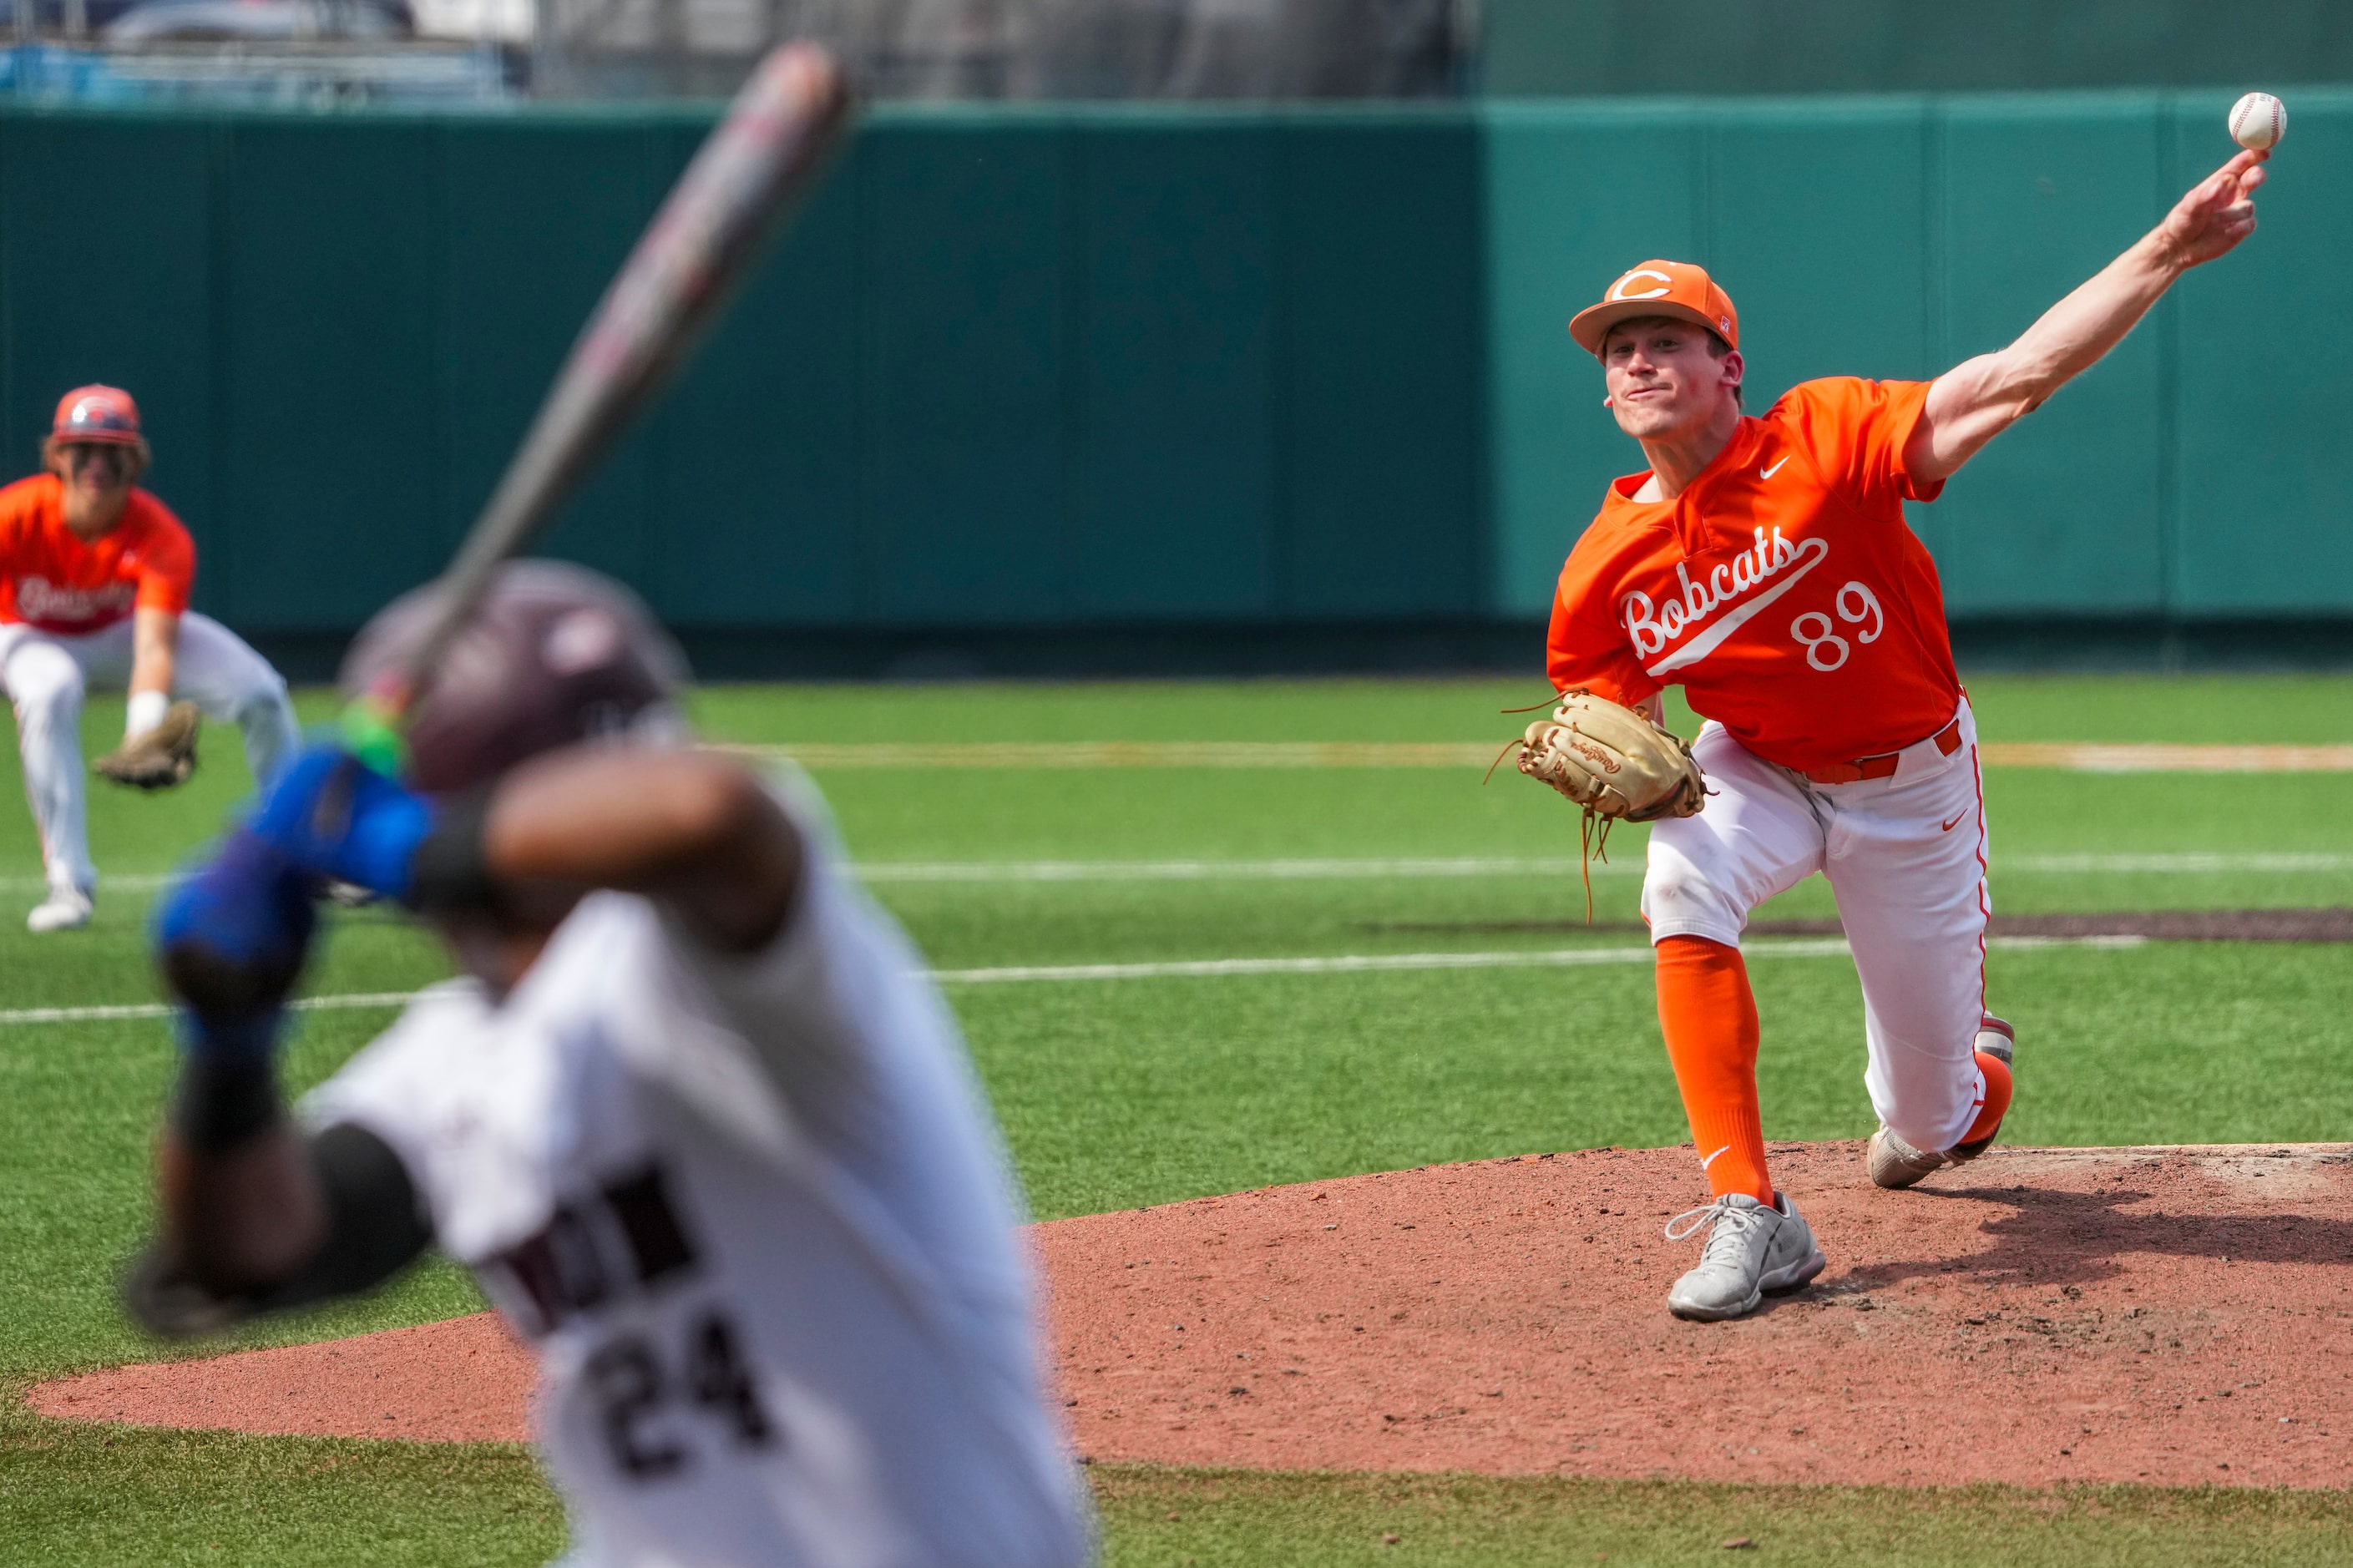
x=45, y=675
x=1906, y=856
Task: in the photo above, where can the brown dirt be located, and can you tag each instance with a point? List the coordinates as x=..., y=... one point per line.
x=465, y=1381
x=2160, y=1315
x=2155, y=925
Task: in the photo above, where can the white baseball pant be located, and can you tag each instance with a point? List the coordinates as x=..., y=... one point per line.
x=45, y=675
x=1905, y=855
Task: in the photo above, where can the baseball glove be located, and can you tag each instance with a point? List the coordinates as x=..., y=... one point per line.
x=157, y=758
x=1615, y=763
x=1613, y=760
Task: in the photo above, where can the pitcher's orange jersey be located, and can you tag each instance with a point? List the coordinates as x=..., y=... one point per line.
x=50, y=576
x=1782, y=590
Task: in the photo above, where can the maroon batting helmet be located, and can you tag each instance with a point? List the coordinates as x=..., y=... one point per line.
x=553, y=653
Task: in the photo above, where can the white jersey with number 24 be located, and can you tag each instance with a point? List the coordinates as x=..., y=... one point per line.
x=754, y=1216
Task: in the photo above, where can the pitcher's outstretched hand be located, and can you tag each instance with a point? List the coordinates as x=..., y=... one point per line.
x=2218, y=213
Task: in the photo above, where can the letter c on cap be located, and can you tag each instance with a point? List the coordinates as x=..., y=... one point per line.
x=1617, y=290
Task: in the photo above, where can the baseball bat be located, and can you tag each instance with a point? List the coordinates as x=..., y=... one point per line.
x=749, y=175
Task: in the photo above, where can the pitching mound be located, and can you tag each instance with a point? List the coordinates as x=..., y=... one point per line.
x=2160, y=1315
x=465, y=1381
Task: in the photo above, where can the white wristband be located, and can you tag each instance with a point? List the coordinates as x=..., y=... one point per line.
x=147, y=711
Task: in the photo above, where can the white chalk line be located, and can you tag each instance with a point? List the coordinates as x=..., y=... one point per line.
x=1195, y=969
x=930, y=756
x=1306, y=870
x=1415, y=868
x=1390, y=963
x=129, y=881
x=2194, y=863
x=1411, y=867
x=161, y=1010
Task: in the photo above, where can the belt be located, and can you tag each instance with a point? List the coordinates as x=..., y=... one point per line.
x=1882, y=766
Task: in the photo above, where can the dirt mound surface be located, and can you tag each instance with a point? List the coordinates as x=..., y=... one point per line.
x=465, y=1381
x=2160, y=1315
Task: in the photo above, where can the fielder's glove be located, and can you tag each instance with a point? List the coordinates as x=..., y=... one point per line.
x=157, y=758
x=1613, y=760
x=1615, y=763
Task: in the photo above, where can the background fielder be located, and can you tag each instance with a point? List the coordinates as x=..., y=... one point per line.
x=1764, y=564
x=94, y=580
x=694, y=1118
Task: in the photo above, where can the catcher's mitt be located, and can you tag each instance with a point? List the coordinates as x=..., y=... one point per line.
x=157, y=758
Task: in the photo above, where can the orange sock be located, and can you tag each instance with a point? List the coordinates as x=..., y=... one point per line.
x=1709, y=1016
x=1997, y=1098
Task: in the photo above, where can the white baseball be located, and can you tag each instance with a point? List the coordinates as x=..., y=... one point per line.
x=2258, y=120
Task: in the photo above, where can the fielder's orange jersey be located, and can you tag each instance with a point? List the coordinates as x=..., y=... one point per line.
x=60, y=582
x=1782, y=590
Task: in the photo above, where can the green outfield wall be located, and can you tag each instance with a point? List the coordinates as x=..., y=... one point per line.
x=2203, y=469
x=1028, y=369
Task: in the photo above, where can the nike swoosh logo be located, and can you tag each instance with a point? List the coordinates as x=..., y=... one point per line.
x=1712, y=1159
x=1949, y=826
x=1769, y=473
x=1812, y=552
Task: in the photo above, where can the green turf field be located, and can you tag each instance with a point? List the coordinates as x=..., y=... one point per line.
x=1118, y=1092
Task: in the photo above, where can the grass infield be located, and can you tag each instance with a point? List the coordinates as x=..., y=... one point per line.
x=1120, y=1093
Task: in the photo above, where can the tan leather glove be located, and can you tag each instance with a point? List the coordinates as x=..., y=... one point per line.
x=157, y=758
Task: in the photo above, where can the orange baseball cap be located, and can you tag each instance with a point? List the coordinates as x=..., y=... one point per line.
x=1674, y=289
x=97, y=414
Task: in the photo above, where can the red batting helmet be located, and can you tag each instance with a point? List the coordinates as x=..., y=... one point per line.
x=553, y=653
x=97, y=413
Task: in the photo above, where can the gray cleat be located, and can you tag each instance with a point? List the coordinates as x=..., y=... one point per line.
x=1752, y=1248
x=1893, y=1162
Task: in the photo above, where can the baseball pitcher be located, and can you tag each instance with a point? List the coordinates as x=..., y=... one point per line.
x=94, y=580
x=693, y=1117
x=1764, y=564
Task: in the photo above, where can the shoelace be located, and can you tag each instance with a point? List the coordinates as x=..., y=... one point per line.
x=1732, y=1225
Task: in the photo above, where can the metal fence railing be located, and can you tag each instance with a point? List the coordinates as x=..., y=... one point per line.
x=1249, y=50
x=287, y=74
x=342, y=51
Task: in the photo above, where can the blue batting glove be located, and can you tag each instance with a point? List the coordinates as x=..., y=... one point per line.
x=333, y=815
x=231, y=941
